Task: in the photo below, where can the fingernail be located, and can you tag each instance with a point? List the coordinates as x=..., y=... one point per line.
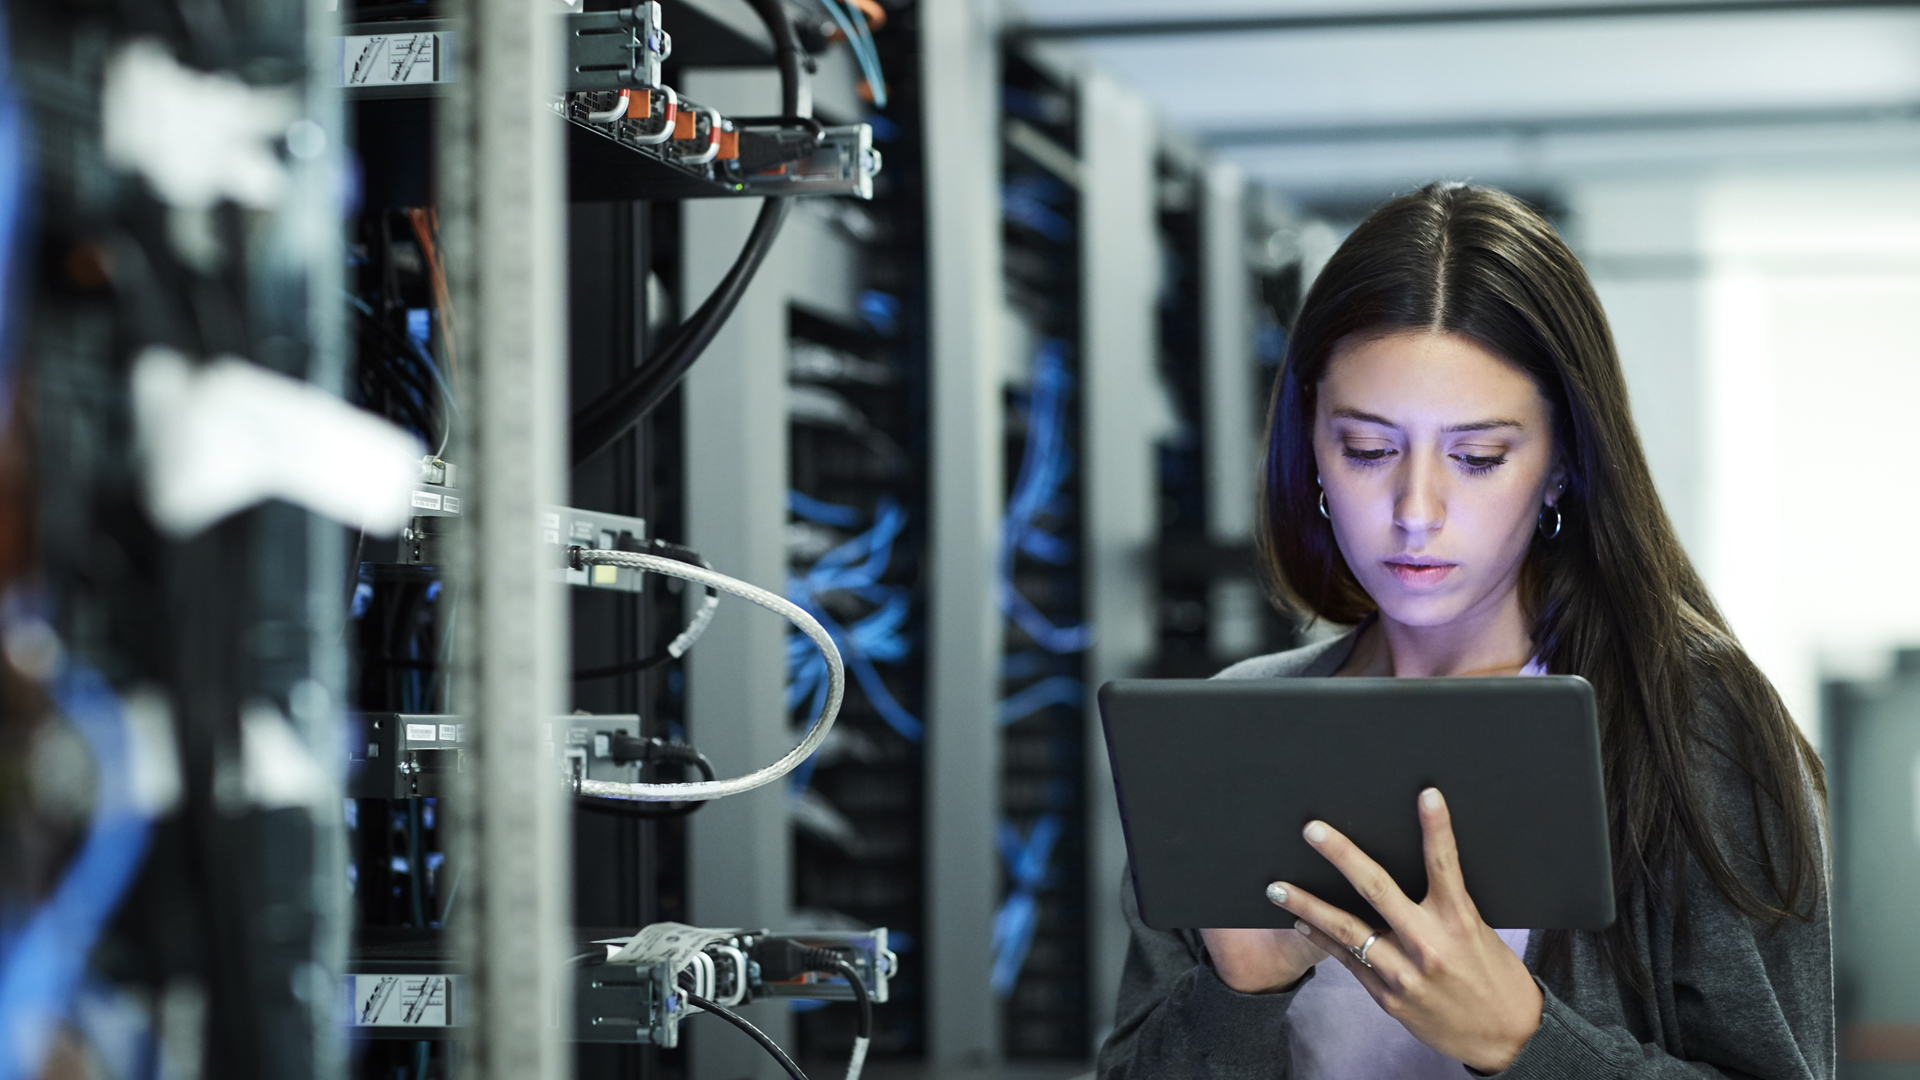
x=1301, y=927
x=1316, y=832
x=1430, y=798
x=1277, y=892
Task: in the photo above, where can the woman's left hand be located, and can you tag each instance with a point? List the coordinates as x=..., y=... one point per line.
x=1441, y=971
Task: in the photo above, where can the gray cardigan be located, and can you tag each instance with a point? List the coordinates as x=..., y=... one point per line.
x=1731, y=998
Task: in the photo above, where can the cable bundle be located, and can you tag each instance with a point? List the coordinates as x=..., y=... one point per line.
x=854, y=567
x=1045, y=467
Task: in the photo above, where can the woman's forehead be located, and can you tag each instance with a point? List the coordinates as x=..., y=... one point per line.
x=1420, y=377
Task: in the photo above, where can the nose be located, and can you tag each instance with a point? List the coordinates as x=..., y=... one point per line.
x=1420, y=506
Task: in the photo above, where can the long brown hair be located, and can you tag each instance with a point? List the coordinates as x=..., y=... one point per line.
x=1612, y=598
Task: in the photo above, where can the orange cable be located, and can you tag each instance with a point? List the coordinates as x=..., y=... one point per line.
x=426, y=223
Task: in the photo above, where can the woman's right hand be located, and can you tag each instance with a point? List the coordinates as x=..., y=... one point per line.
x=1261, y=961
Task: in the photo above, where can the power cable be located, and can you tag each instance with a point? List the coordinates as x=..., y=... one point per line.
x=753, y=1033
x=784, y=959
x=863, y=1035
x=717, y=789
x=610, y=416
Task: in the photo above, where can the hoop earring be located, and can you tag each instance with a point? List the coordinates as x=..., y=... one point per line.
x=1323, y=505
x=1558, y=520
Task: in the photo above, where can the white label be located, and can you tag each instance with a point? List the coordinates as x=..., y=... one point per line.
x=449, y=733
x=550, y=521
x=421, y=733
x=402, y=1000
x=450, y=503
x=426, y=500
x=553, y=536
x=390, y=60
x=670, y=942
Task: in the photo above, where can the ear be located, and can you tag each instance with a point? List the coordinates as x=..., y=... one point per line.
x=1556, y=482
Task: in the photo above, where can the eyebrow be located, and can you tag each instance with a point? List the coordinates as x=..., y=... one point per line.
x=1477, y=425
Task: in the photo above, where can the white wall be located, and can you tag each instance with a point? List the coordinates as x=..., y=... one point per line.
x=1766, y=326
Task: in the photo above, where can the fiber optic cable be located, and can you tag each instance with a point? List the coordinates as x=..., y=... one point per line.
x=860, y=40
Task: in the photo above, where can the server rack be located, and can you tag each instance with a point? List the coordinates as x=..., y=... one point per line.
x=1041, y=961
x=858, y=463
x=144, y=646
x=1183, y=619
x=626, y=265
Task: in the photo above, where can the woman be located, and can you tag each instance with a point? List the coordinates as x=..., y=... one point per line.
x=1453, y=470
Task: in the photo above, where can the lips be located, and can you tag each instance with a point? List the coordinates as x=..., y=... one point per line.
x=1419, y=572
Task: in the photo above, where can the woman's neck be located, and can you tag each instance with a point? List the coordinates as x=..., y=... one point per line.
x=1492, y=640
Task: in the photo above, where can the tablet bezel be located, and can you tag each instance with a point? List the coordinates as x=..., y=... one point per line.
x=1216, y=778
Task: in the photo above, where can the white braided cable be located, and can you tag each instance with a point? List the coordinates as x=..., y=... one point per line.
x=709, y=602
x=699, y=790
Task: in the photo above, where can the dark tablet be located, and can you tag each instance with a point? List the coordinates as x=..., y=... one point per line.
x=1217, y=777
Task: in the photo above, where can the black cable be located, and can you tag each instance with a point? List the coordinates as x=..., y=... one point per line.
x=453, y=890
x=753, y=1033
x=610, y=416
x=865, y=1000
x=416, y=874
x=652, y=659
x=425, y=385
x=782, y=960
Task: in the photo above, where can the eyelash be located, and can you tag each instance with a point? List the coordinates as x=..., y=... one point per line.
x=1475, y=466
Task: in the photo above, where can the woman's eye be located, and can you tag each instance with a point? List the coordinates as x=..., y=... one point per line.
x=1365, y=456
x=1479, y=464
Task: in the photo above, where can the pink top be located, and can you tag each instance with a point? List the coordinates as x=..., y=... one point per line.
x=1340, y=1033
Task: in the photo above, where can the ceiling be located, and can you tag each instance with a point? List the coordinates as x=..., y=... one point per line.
x=1352, y=99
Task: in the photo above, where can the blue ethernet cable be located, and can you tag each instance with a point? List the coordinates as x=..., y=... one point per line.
x=1045, y=465
x=1028, y=861
x=43, y=964
x=16, y=158
x=854, y=567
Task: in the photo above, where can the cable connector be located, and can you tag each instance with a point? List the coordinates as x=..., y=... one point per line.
x=625, y=749
x=784, y=959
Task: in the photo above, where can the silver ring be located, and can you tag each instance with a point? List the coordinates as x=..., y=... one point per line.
x=1360, y=953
